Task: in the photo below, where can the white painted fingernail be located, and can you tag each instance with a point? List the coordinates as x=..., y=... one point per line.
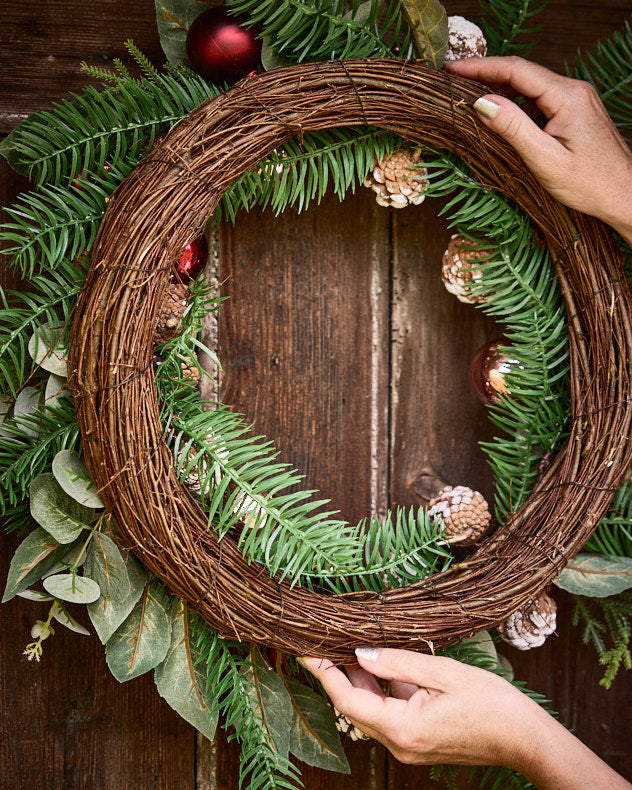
x=488, y=109
x=368, y=653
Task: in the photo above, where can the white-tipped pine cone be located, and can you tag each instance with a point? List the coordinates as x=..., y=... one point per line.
x=398, y=179
x=464, y=513
x=457, y=269
x=347, y=727
x=170, y=311
x=465, y=39
x=530, y=626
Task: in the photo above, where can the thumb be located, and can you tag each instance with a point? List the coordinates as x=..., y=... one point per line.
x=407, y=666
x=510, y=122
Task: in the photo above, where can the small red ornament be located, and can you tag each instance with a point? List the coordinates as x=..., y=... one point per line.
x=220, y=49
x=191, y=260
x=488, y=370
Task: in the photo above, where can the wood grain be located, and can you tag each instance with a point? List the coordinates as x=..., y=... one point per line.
x=339, y=344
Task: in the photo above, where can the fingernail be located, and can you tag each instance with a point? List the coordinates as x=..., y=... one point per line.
x=368, y=653
x=488, y=109
x=300, y=660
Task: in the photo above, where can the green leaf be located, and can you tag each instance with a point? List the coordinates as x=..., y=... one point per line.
x=174, y=18
x=62, y=616
x=60, y=515
x=596, y=575
x=105, y=564
x=179, y=679
x=72, y=587
x=25, y=408
x=271, y=701
x=106, y=614
x=48, y=350
x=55, y=390
x=9, y=149
x=142, y=641
x=37, y=553
x=429, y=23
x=72, y=475
x=314, y=738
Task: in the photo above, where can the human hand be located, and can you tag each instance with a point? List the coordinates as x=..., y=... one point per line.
x=443, y=711
x=579, y=156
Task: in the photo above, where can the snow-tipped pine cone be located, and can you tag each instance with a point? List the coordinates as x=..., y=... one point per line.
x=464, y=513
x=347, y=727
x=398, y=179
x=465, y=39
x=170, y=311
x=530, y=626
x=457, y=269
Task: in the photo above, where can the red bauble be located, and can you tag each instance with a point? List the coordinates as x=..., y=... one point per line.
x=488, y=370
x=191, y=260
x=220, y=49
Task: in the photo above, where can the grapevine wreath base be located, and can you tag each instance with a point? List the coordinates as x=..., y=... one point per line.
x=166, y=202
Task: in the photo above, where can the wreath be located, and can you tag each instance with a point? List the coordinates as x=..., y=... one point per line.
x=154, y=506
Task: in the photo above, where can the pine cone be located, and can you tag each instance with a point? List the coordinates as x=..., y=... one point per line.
x=398, y=180
x=530, y=626
x=170, y=311
x=457, y=272
x=346, y=727
x=464, y=513
x=465, y=39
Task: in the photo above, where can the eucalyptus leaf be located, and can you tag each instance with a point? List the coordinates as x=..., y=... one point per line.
x=72, y=587
x=26, y=405
x=62, y=616
x=60, y=515
x=596, y=575
x=5, y=405
x=105, y=564
x=73, y=558
x=143, y=639
x=429, y=23
x=55, y=389
x=47, y=349
x=72, y=475
x=314, y=738
x=38, y=552
x=107, y=615
x=272, y=702
x=174, y=18
x=179, y=680
x=35, y=595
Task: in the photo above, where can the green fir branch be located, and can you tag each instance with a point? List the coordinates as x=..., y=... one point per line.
x=504, y=23
x=229, y=693
x=602, y=619
x=613, y=536
x=609, y=69
x=304, y=30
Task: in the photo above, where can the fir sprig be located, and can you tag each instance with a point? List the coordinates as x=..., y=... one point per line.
x=300, y=30
x=504, y=24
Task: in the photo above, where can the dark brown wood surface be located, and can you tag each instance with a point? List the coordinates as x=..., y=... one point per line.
x=340, y=343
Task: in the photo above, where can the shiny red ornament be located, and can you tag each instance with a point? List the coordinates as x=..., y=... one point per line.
x=220, y=49
x=191, y=261
x=488, y=370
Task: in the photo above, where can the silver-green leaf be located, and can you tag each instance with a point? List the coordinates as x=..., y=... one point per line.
x=47, y=349
x=314, y=738
x=72, y=475
x=142, y=641
x=60, y=515
x=55, y=390
x=271, y=700
x=72, y=587
x=37, y=553
x=179, y=680
x=596, y=575
x=429, y=24
x=105, y=564
x=106, y=614
x=173, y=19
x=26, y=406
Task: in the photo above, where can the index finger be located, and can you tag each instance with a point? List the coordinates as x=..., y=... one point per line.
x=527, y=78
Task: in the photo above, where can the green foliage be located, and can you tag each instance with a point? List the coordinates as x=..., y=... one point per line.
x=232, y=681
x=613, y=536
x=596, y=575
x=604, y=619
x=429, y=23
x=313, y=30
x=609, y=69
x=504, y=25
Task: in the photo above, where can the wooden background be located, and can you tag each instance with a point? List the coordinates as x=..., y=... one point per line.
x=341, y=344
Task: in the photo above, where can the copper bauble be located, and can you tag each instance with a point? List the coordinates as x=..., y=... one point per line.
x=488, y=370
